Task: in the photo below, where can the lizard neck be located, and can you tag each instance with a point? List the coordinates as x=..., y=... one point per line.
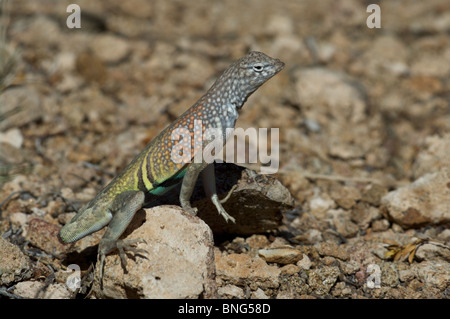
x=228, y=90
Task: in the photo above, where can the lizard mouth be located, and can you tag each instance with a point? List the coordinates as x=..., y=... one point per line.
x=278, y=66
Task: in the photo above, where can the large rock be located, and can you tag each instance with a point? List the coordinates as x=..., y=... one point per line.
x=256, y=203
x=179, y=262
x=424, y=202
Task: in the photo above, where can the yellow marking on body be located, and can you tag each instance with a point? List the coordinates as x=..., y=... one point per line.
x=152, y=169
x=148, y=185
x=136, y=178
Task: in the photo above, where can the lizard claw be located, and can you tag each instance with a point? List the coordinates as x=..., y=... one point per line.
x=191, y=210
x=220, y=208
x=128, y=245
x=225, y=215
x=123, y=246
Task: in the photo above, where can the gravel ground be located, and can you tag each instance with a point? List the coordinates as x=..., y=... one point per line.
x=364, y=135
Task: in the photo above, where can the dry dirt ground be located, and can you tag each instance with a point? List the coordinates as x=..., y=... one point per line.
x=364, y=134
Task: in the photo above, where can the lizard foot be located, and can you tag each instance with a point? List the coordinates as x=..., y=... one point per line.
x=220, y=208
x=122, y=245
x=225, y=215
x=188, y=208
x=128, y=245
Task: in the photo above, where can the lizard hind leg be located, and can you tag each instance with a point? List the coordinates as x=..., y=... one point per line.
x=209, y=185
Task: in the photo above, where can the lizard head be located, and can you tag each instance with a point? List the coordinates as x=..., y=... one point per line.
x=90, y=219
x=244, y=76
x=256, y=68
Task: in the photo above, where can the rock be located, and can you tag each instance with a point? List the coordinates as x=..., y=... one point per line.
x=350, y=267
x=179, y=262
x=373, y=194
x=340, y=290
x=19, y=220
x=335, y=91
x=424, y=202
x=325, y=94
x=380, y=225
x=385, y=51
x=23, y=105
x=432, y=65
x=433, y=274
x=434, y=157
x=304, y=263
x=311, y=236
x=231, y=292
x=44, y=30
x=13, y=137
x=362, y=214
x=292, y=285
x=39, y=290
x=290, y=269
x=321, y=280
x=342, y=222
x=238, y=246
x=259, y=294
x=346, y=197
x=280, y=255
x=44, y=235
x=389, y=274
x=257, y=241
x=320, y=203
x=257, y=202
x=344, y=151
x=444, y=235
x=14, y=265
x=362, y=252
x=146, y=9
x=244, y=270
x=405, y=273
x=110, y=48
x=433, y=250
x=329, y=249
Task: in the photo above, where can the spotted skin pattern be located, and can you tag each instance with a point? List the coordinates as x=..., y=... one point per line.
x=154, y=171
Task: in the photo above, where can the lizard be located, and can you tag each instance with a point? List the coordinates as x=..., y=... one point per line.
x=154, y=171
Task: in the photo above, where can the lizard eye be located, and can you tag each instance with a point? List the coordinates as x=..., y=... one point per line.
x=258, y=67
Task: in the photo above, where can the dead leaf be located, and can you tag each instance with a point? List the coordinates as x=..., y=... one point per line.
x=402, y=252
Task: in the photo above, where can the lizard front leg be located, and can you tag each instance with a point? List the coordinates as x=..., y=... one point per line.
x=188, y=185
x=123, y=208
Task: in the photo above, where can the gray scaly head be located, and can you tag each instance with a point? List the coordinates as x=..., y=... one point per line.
x=243, y=77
